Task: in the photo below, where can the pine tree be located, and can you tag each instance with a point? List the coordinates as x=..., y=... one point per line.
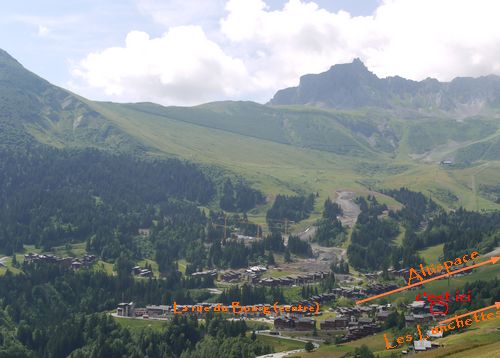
x=14, y=260
x=227, y=197
x=270, y=259
x=287, y=256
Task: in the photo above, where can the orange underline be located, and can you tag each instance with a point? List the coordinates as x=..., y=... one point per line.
x=492, y=260
x=470, y=313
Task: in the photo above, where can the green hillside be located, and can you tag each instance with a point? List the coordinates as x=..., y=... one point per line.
x=278, y=149
x=326, y=150
x=32, y=107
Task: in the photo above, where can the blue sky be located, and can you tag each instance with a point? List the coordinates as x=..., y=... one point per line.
x=199, y=51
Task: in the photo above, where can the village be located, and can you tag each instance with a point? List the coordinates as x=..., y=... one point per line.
x=349, y=323
x=72, y=262
x=342, y=322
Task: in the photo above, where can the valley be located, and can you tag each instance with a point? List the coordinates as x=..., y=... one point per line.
x=124, y=208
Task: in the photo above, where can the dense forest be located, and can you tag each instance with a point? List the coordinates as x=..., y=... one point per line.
x=239, y=197
x=49, y=197
x=416, y=207
x=299, y=247
x=428, y=224
x=289, y=208
x=329, y=230
x=249, y=295
x=372, y=237
x=425, y=224
x=54, y=312
x=463, y=231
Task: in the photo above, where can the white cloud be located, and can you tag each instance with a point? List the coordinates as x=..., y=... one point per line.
x=256, y=51
x=42, y=30
x=411, y=38
x=180, y=12
x=182, y=67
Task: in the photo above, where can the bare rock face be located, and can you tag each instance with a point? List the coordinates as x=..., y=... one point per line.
x=352, y=85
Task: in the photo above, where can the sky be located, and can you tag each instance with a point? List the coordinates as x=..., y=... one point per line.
x=181, y=52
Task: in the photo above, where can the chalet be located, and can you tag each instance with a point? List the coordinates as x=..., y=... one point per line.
x=205, y=274
x=359, y=331
x=286, y=281
x=382, y=316
x=423, y=318
x=141, y=312
x=335, y=323
x=246, y=238
x=251, y=276
x=365, y=320
x=144, y=232
x=418, y=307
x=371, y=276
x=305, y=324
x=76, y=265
x=436, y=334
x=350, y=292
x=142, y=272
x=267, y=282
x=409, y=321
x=257, y=269
x=158, y=311
x=231, y=276
x=146, y=273
x=424, y=345
x=284, y=323
x=125, y=309
x=88, y=260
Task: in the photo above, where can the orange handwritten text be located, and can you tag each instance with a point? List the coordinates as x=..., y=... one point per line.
x=237, y=308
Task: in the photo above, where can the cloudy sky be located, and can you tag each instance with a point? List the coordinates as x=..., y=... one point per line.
x=188, y=52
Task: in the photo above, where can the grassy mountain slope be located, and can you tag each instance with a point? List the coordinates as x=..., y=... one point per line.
x=32, y=107
x=279, y=149
x=294, y=166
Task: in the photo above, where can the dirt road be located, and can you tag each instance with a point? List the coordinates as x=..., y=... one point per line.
x=351, y=210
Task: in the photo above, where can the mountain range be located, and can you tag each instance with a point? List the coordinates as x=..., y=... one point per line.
x=342, y=128
x=352, y=85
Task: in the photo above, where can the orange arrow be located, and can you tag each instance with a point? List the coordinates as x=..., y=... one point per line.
x=493, y=260
x=496, y=305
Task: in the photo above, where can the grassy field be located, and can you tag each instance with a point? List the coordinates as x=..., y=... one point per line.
x=71, y=250
x=154, y=265
x=181, y=263
x=433, y=254
x=280, y=344
x=61, y=250
x=137, y=325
